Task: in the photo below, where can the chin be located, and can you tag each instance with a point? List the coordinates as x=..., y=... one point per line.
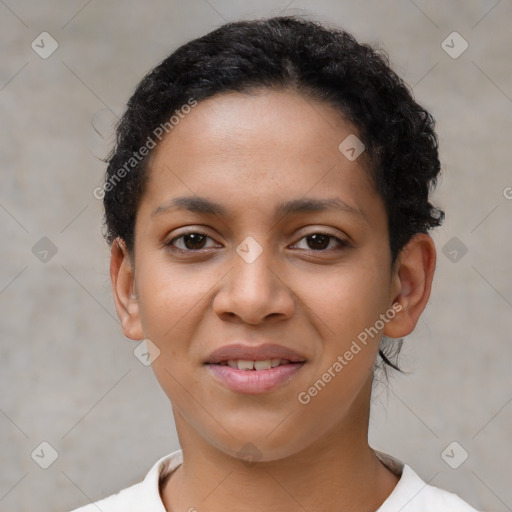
x=262, y=444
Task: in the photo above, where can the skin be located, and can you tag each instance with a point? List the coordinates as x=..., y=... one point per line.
x=251, y=152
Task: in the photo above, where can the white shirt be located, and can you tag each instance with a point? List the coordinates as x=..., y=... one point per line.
x=411, y=494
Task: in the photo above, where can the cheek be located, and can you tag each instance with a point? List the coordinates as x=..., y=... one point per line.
x=168, y=296
x=346, y=301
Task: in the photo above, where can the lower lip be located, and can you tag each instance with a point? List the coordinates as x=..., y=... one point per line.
x=254, y=381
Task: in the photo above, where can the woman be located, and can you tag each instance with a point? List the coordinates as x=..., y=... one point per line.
x=267, y=206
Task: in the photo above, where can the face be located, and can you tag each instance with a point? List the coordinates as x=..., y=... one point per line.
x=283, y=241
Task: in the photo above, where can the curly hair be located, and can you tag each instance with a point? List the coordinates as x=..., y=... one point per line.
x=283, y=53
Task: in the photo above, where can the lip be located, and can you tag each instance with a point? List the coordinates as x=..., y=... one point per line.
x=254, y=353
x=254, y=381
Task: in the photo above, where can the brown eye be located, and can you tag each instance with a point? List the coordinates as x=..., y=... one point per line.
x=321, y=242
x=318, y=241
x=190, y=242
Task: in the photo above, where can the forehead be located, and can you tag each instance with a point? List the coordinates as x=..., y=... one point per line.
x=263, y=121
x=258, y=149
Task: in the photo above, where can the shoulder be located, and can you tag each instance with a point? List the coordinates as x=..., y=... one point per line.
x=412, y=494
x=144, y=495
x=127, y=500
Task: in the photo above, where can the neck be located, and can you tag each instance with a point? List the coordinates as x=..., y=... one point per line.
x=339, y=471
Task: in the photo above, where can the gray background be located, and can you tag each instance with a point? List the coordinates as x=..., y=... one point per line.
x=68, y=376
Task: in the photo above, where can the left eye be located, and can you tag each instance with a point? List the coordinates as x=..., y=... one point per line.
x=321, y=241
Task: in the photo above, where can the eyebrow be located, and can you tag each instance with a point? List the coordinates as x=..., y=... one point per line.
x=295, y=206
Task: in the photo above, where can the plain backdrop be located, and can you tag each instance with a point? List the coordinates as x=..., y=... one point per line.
x=68, y=376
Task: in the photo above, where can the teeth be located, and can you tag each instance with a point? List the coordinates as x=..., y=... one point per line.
x=262, y=365
x=267, y=364
x=245, y=365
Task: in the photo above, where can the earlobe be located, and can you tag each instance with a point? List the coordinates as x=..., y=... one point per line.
x=413, y=276
x=123, y=288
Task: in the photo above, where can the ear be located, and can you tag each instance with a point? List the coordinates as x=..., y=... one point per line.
x=412, y=282
x=123, y=287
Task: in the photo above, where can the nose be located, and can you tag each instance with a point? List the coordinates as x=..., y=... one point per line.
x=252, y=292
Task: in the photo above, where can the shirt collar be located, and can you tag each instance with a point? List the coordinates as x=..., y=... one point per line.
x=408, y=486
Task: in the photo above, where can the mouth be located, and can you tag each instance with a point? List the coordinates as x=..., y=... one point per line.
x=261, y=356
x=250, y=365
x=253, y=370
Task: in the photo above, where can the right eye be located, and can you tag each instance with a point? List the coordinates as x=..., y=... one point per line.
x=191, y=241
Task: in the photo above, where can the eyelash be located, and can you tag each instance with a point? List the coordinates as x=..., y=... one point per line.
x=342, y=244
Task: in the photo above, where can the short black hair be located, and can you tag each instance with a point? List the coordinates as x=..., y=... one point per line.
x=287, y=53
